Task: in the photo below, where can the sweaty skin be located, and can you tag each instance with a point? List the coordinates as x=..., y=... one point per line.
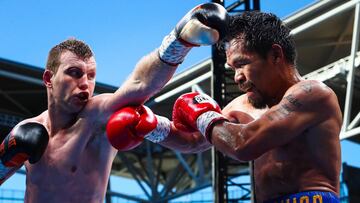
x=76, y=164
x=294, y=141
x=288, y=157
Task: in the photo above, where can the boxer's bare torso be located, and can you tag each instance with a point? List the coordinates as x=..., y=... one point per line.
x=299, y=165
x=76, y=164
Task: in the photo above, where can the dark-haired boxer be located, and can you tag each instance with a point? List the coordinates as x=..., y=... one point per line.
x=76, y=163
x=293, y=141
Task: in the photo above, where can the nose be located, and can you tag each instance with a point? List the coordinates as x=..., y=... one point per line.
x=83, y=82
x=239, y=77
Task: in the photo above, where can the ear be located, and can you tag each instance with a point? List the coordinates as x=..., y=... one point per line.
x=277, y=53
x=47, y=75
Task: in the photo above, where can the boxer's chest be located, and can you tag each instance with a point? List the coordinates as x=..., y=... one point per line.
x=71, y=160
x=81, y=146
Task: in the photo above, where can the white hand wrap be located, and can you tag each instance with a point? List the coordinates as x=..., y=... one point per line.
x=161, y=131
x=172, y=51
x=207, y=119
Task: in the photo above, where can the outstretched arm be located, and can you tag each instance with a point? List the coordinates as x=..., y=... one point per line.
x=129, y=126
x=148, y=77
x=203, y=25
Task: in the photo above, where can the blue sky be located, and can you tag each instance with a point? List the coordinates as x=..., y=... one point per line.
x=120, y=33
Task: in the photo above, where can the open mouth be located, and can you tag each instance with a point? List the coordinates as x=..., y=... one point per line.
x=83, y=96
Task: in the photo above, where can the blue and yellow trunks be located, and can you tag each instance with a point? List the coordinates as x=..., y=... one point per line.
x=307, y=197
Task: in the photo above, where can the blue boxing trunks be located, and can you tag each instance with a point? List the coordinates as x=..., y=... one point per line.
x=307, y=197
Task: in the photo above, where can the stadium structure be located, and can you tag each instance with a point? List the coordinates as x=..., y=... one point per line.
x=327, y=39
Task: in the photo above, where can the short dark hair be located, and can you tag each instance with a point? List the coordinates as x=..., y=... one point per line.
x=260, y=31
x=78, y=47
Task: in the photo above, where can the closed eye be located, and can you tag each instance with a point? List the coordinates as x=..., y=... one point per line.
x=238, y=63
x=241, y=64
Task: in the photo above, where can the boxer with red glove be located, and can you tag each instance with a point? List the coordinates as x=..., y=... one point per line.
x=26, y=142
x=196, y=112
x=203, y=25
x=127, y=128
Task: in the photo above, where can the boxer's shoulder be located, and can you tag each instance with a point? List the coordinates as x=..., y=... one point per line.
x=312, y=94
x=96, y=108
x=242, y=104
x=310, y=87
x=237, y=103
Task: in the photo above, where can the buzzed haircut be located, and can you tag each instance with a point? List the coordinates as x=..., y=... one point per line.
x=78, y=47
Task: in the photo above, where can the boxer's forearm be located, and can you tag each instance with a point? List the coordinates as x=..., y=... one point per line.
x=149, y=76
x=185, y=142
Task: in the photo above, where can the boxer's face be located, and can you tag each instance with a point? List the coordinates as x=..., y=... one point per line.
x=74, y=82
x=252, y=73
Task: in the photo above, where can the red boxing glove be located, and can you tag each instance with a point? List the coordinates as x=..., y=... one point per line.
x=195, y=111
x=127, y=128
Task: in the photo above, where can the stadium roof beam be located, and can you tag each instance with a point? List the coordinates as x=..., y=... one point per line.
x=325, y=16
x=350, y=76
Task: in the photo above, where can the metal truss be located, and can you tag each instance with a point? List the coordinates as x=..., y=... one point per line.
x=183, y=174
x=347, y=67
x=338, y=74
